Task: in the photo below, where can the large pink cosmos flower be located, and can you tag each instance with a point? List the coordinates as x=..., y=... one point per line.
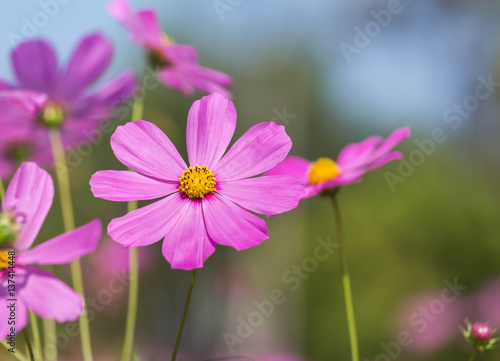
x=207, y=203
x=26, y=204
x=353, y=161
x=177, y=65
x=68, y=103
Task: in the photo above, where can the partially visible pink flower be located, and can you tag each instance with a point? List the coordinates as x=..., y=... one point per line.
x=209, y=202
x=281, y=356
x=177, y=65
x=69, y=104
x=26, y=204
x=353, y=161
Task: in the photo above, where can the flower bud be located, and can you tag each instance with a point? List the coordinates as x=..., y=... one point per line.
x=481, y=333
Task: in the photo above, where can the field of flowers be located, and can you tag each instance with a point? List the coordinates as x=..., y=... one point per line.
x=177, y=184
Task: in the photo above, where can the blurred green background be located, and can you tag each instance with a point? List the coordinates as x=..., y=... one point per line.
x=440, y=223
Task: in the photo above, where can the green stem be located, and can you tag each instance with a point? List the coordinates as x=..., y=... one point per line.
x=62, y=173
x=36, y=335
x=184, y=316
x=474, y=354
x=346, y=283
x=133, y=291
x=2, y=190
x=28, y=342
x=49, y=338
x=18, y=355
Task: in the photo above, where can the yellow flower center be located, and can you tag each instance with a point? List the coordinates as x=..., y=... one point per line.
x=197, y=182
x=324, y=169
x=4, y=258
x=167, y=40
x=9, y=227
x=52, y=115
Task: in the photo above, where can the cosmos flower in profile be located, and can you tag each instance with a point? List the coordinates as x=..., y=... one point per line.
x=326, y=175
x=177, y=65
x=67, y=104
x=27, y=201
x=204, y=204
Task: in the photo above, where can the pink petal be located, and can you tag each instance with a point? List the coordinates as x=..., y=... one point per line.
x=397, y=136
x=354, y=155
x=385, y=159
x=211, y=81
x=143, y=26
x=182, y=54
x=293, y=165
x=21, y=314
x=177, y=78
x=65, y=248
x=266, y=195
x=210, y=127
x=261, y=148
x=5, y=85
x=29, y=196
x=122, y=185
x=230, y=225
x=143, y=147
x=187, y=246
x=48, y=297
x=109, y=96
x=19, y=110
x=89, y=61
x=148, y=224
x=35, y=65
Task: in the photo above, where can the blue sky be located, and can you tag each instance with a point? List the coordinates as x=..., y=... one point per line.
x=427, y=58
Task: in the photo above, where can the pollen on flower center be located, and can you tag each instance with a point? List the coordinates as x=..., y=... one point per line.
x=197, y=182
x=9, y=227
x=322, y=170
x=4, y=259
x=52, y=115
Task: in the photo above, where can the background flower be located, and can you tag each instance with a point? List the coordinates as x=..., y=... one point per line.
x=177, y=65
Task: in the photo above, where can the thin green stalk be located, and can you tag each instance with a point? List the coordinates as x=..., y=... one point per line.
x=346, y=283
x=62, y=173
x=28, y=342
x=2, y=190
x=474, y=354
x=18, y=355
x=36, y=335
x=133, y=291
x=49, y=338
x=184, y=316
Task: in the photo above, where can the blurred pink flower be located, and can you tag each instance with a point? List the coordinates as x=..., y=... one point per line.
x=68, y=105
x=26, y=204
x=431, y=321
x=279, y=357
x=177, y=65
x=207, y=203
x=353, y=161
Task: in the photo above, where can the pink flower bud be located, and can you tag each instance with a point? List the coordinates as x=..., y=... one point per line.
x=481, y=333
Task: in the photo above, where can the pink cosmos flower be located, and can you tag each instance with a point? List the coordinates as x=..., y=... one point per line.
x=210, y=201
x=26, y=204
x=68, y=104
x=353, y=161
x=177, y=65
